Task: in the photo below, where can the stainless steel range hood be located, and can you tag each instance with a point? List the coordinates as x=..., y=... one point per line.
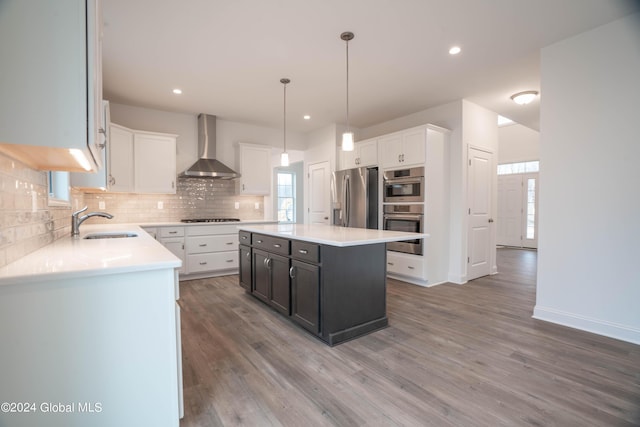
x=207, y=166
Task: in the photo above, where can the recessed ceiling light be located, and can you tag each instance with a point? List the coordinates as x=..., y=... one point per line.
x=177, y=91
x=523, y=98
x=306, y=117
x=455, y=50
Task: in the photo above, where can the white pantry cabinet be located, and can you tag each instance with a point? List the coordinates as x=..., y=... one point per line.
x=406, y=148
x=51, y=83
x=255, y=169
x=141, y=162
x=365, y=153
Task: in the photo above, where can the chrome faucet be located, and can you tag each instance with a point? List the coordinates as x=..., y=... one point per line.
x=76, y=220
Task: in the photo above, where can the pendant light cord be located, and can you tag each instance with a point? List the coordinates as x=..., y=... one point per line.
x=347, y=41
x=284, y=120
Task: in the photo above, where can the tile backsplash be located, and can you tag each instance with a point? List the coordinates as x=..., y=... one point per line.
x=27, y=223
x=194, y=198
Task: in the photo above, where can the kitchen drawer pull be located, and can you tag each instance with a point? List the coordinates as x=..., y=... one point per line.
x=244, y=237
x=389, y=263
x=202, y=245
x=411, y=267
x=258, y=241
x=203, y=262
x=173, y=232
x=229, y=243
x=277, y=245
x=303, y=251
x=229, y=260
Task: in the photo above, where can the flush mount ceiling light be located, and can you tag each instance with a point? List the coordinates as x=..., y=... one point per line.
x=455, y=50
x=284, y=157
x=177, y=91
x=523, y=98
x=306, y=117
x=347, y=137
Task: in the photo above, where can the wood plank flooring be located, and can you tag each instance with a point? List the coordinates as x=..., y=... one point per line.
x=453, y=355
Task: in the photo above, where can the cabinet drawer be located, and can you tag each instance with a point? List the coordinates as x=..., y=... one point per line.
x=271, y=244
x=244, y=237
x=202, y=244
x=197, y=263
x=305, y=251
x=171, y=231
x=406, y=266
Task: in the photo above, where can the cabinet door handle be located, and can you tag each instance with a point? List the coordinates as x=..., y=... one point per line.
x=410, y=267
x=269, y=263
x=389, y=263
x=229, y=260
x=292, y=272
x=248, y=255
x=303, y=251
x=276, y=245
x=112, y=180
x=202, y=245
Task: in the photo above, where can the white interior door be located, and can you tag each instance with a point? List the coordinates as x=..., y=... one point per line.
x=481, y=172
x=319, y=193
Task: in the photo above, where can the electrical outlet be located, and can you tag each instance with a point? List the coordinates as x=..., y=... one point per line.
x=160, y=205
x=236, y=205
x=257, y=205
x=102, y=205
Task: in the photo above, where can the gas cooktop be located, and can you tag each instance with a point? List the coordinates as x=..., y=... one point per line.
x=211, y=220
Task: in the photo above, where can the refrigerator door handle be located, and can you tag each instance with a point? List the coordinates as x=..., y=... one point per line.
x=347, y=200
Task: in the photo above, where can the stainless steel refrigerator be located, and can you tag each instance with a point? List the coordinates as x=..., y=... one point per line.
x=354, y=194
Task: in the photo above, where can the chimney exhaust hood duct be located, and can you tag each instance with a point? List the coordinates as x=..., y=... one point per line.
x=207, y=166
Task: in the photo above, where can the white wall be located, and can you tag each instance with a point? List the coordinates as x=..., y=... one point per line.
x=228, y=133
x=588, y=275
x=479, y=130
x=518, y=143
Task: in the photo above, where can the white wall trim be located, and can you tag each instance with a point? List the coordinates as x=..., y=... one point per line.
x=457, y=279
x=596, y=326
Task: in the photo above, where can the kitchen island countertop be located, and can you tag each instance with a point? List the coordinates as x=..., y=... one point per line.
x=332, y=235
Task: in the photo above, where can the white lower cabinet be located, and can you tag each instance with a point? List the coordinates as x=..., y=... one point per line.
x=172, y=238
x=211, y=250
x=410, y=268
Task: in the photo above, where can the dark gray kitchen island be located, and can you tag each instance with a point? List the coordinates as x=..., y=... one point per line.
x=329, y=280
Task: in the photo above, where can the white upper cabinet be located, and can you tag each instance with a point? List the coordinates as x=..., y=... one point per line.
x=51, y=83
x=141, y=162
x=255, y=169
x=365, y=153
x=406, y=148
x=155, y=162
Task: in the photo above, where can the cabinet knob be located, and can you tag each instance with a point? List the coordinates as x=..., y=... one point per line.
x=276, y=245
x=303, y=251
x=292, y=272
x=259, y=241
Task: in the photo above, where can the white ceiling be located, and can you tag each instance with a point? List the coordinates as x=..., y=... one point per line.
x=228, y=55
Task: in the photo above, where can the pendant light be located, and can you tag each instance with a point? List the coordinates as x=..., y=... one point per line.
x=347, y=137
x=284, y=157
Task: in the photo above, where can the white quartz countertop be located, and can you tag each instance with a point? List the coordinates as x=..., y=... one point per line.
x=70, y=257
x=332, y=235
x=199, y=224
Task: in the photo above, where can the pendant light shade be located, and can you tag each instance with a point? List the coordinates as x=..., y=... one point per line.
x=284, y=157
x=347, y=137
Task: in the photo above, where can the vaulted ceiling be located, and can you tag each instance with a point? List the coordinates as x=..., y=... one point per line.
x=228, y=56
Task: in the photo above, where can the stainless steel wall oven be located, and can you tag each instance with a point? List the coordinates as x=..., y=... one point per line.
x=404, y=185
x=405, y=218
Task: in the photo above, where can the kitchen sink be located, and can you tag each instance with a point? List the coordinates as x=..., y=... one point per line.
x=112, y=235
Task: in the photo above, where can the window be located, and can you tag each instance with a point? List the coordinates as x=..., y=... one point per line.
x=286, y=209
x=521, y=167
x=531, y=208
x=59, y=194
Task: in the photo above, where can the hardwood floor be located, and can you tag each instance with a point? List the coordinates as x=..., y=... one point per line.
x=453, y=355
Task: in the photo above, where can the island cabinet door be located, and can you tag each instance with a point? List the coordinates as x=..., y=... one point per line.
x=245, y=267
x=280, y=297
x=305, y=295
x=261, y=275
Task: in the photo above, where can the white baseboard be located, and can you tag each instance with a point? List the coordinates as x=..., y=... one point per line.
x=458, y=280
x=596, y=326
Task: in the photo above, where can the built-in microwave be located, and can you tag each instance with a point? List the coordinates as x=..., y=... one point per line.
x=404, y=185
